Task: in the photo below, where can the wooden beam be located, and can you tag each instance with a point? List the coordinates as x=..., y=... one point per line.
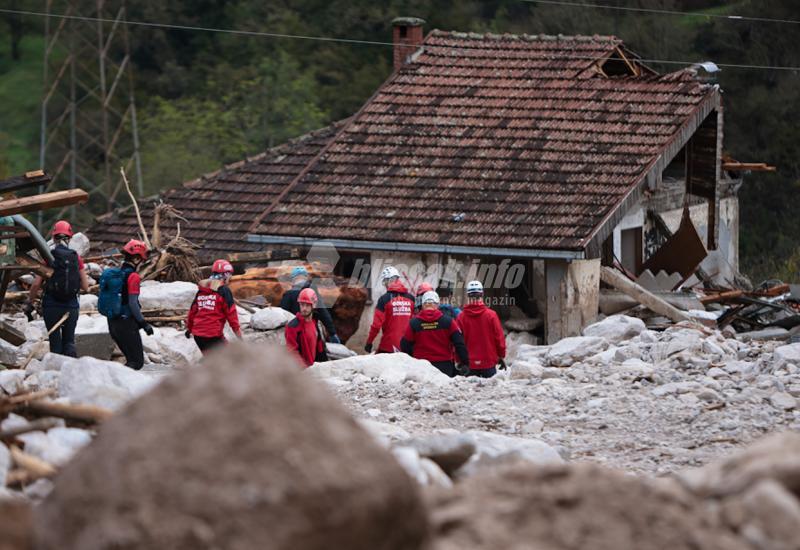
x=748, y=166
x=30, y=179
x=650, y=301
x=11, y=335
x=26, y=262
x=43, y=202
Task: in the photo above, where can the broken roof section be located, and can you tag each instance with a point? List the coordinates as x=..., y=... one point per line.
x=540, y=142
x=220, y=207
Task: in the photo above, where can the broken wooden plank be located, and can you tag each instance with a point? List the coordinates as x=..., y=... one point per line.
x=81, y=413
x=26, y=262
x=721, y=297
x=44, y=201
x=35, y=466
x=10, y=334
x=644, y=297
x=28, y=180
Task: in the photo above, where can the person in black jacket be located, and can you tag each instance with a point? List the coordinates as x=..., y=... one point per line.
x=301, y=281
x=61, y=291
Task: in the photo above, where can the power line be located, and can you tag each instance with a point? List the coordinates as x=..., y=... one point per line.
x=263, y=34
x=666, y=12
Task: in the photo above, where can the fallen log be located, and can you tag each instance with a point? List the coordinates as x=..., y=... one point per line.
x=170, y=319
x=79, y=413
x=721, y=297
x=35, y=466
x=30, y=396
x=644, y=297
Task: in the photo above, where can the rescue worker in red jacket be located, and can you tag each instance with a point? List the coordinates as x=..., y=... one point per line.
x=392, y=313
x=212, y=307
x=483, y=334
x=432, y=335
x=302, y=333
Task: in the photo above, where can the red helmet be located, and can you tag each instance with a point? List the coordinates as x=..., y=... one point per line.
x=423, y=288
x=136, y=248
x=307, y=296
x=222, y=266
x=62, y=227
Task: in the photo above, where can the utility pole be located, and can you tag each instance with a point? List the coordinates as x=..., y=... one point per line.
x=88, y=124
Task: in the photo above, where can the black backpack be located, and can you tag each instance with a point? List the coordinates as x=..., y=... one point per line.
x=65, y=283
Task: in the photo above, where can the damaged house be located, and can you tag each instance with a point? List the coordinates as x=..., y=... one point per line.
x=551, y=154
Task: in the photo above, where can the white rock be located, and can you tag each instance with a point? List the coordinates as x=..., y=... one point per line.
x=12, y=422
x=106, y=384
x=39, y=489
x=44, y=380
x=676, y=388
x=636, y=368
x=524, y=370
x=491, y=448
x=79, y=243
x=176, y=296
x=270, y=318
x=5, y=464
x=57, y=446
x=516, y=339
x=524, y=324
x=572, y=350
x=789, y=353
x=528, y=352
x=383, y=432
x=11, y=380
x=616, y=328
x=782, y=400
x=173, y=347
x=91, y=324
x=88, y=302
x=339, y=351
x=409, y=459
x=435, y=475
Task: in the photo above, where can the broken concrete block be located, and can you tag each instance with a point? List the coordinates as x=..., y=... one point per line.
x=246, y=437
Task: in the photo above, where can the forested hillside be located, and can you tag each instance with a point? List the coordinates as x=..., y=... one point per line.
x=206, y=98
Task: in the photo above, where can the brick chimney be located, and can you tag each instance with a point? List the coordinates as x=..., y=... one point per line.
x=406, y=37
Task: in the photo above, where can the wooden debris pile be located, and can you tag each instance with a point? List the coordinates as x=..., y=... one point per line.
x=42, y=414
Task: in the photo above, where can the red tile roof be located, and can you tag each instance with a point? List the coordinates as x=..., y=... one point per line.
x=521, y=134
x=219, y=207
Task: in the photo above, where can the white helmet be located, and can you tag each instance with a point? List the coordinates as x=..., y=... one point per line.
x=430, y=297
x=389, y=272
x=474, y=287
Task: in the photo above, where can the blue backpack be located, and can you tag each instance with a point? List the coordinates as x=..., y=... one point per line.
x=113, y=285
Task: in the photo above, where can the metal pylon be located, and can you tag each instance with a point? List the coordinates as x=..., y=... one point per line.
x=88, y=126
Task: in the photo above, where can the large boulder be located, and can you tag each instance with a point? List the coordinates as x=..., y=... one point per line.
x=92, y=337
x=616, y=328
x=246, y=452
x=389, y=368
x=176, y=296
x=270, y=318
x=570, y=507
x=572, y=350
x=172, y=347
x=91, y=381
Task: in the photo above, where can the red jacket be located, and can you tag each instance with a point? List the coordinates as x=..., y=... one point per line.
x=212, y=306
x=303, y=338
x=483, y=335
x=432, y=336
x=392, y=314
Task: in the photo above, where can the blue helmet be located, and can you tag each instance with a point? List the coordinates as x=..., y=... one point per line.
x=299, y=271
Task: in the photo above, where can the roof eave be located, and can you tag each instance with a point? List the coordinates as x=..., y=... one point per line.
x=423, y=248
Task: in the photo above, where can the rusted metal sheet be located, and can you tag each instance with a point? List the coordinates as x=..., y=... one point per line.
x=681, y=253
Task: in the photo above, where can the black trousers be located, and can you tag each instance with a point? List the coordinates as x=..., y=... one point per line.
x=207, y=344
x=483, y=373
x=447, y=367
x=125, y=333
x=62, y=340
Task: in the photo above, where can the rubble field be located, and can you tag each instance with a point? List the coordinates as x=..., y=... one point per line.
x=624, y=396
